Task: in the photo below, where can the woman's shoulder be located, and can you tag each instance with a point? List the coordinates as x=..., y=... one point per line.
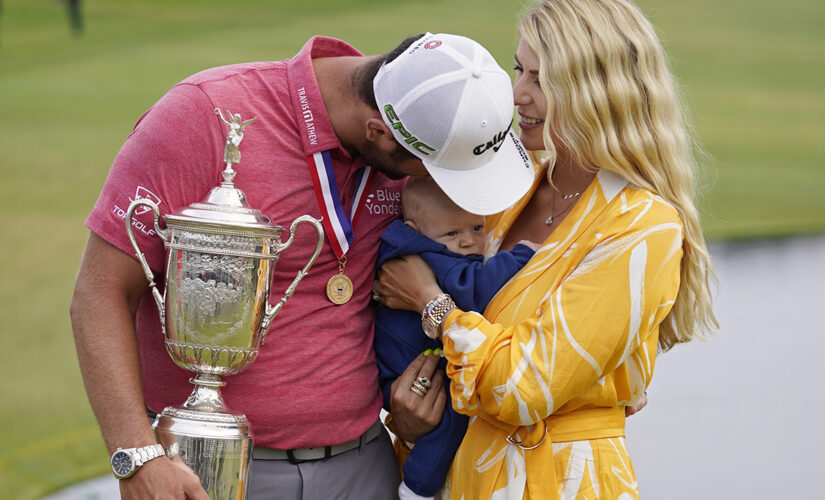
x=642, y=207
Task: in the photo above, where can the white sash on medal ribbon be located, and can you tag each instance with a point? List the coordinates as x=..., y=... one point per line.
x=338, y=226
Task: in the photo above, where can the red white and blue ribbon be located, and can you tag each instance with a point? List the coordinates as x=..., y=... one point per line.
x=337, y=223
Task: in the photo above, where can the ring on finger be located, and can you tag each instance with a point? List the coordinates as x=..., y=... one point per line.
x=421, y=387
x=376, y=296
x=416, y=389
x=425, y=381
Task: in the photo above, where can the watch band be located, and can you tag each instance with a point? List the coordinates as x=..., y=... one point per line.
x=147, y=453
x=434, y=313
x=125, y=462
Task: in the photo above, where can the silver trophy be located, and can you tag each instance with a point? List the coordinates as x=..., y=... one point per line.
x=214, y=311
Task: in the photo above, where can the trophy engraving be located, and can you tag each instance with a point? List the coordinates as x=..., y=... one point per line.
x=214, y=313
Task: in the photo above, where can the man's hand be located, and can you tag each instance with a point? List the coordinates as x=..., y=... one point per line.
x=163, y=479
x=413, y=415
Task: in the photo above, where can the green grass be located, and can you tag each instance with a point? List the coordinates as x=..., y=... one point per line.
x=752, y=72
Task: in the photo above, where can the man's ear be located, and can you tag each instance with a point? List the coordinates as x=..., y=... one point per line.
x=380, y=134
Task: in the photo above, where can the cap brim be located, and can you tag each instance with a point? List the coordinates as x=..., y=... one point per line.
x=492, y=187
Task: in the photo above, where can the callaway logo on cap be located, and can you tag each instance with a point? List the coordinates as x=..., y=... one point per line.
x=449, y=103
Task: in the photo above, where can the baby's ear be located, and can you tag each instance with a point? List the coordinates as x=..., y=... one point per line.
x=412, y=225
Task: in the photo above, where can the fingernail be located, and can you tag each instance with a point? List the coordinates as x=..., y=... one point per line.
x=428, y=352
x=437, y=352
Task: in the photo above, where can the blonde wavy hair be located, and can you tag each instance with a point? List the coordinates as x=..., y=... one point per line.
x=612, y=103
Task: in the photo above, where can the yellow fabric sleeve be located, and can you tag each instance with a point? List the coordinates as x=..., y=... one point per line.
x=594, y=319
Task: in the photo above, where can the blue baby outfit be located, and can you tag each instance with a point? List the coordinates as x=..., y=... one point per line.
x=399, y=339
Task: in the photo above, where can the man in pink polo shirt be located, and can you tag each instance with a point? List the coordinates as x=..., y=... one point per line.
x=313, y=387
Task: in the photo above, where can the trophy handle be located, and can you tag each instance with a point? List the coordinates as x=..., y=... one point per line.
x=271, y=311
x=146, y=270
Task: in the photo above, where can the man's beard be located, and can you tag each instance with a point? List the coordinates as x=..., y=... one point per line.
x=386, y=163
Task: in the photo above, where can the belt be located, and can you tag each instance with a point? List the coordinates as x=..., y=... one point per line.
x=300, y=455
x=595, y=423
x=578, y=425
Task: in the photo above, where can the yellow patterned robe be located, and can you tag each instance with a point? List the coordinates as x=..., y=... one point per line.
x=569, y=342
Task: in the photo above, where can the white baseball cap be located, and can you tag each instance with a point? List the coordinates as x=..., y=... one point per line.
x=451, y=105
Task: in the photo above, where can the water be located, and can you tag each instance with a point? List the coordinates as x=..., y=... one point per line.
x=740, y=416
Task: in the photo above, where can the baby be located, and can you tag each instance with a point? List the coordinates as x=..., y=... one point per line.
x=451, y=241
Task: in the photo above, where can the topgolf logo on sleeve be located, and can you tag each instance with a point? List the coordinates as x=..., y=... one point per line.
x=141, y=193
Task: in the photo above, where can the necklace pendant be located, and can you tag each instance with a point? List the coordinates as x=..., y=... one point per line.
x=549, y=220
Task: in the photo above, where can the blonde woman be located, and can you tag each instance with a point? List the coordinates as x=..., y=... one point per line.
x=547, y=372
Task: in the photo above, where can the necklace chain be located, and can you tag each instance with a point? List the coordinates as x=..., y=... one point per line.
x=572, y=196
x=549, y=220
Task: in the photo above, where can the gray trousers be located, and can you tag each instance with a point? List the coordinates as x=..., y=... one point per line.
x=366, y=473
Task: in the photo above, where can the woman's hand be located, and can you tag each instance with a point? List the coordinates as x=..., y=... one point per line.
x=406, y=283
x=532, y=245
x=414, y=415
x=632, y=410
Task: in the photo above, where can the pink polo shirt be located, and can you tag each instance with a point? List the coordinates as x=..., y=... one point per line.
x=315, y=381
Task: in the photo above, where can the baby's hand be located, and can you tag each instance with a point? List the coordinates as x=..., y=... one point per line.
x=530, y=244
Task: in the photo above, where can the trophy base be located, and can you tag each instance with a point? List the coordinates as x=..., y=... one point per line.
x=216, y=446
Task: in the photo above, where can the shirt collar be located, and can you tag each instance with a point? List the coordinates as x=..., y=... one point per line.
x=311, y=116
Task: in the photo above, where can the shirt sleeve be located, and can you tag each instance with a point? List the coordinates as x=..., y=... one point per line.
x=605, y=309
x=172, y=157
x=473, y=283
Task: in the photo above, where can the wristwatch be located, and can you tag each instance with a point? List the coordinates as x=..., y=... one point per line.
x=433, y=314
x=126, y=461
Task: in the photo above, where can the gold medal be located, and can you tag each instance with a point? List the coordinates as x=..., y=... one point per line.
x=339, y=289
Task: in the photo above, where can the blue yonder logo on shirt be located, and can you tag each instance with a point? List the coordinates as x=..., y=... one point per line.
x=383, y=202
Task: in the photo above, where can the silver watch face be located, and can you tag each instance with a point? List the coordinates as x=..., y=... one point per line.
x=122, y=464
